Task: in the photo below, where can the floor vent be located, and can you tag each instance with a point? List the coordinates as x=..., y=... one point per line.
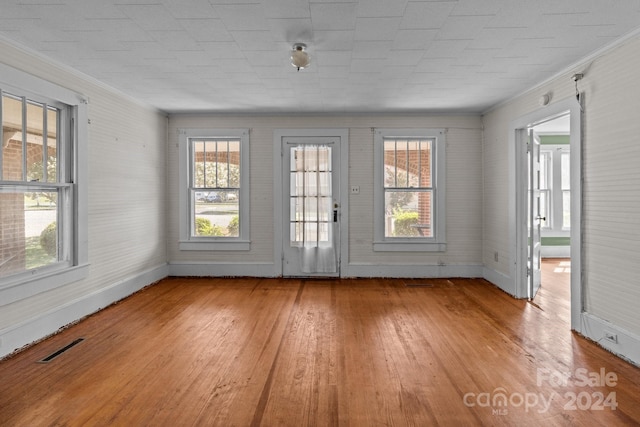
x=57, y=353
x=421, y=284
x=429, y=283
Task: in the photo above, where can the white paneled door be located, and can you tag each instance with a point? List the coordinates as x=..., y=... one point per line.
x=311, y=206
x=535, y=218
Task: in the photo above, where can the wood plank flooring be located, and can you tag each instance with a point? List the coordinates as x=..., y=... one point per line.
x=366, y=352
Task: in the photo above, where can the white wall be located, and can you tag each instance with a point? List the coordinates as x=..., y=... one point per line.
x=464, y=196
x=127, y=199
x=611, y=195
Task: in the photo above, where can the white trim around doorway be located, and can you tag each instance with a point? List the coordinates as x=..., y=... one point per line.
x=517, y=275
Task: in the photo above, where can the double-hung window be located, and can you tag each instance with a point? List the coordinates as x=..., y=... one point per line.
x=555, y=187
x=545, y=188
x=214, y=177
x=409, y=195
x=43, y=224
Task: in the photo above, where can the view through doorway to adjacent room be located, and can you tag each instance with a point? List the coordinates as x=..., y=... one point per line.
x=554, y=211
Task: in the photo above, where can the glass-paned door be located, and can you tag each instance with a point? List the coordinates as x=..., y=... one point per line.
x=312, y=207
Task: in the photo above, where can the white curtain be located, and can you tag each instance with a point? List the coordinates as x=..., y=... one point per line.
x=312, y=208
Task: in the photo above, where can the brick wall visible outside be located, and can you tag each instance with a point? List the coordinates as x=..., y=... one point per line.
x=417, y=163
x=12, y=211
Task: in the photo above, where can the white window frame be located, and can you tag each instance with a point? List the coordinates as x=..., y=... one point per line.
x=435, y=243
x=555, y=222
x=546, y=159
x=73, y=144
x=212, y=243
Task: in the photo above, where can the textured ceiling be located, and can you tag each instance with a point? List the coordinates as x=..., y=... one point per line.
x=366, y=55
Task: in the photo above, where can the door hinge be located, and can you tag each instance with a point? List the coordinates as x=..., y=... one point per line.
x=528, y=271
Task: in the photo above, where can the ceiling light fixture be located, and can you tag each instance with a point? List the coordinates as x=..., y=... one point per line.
x=299, y=57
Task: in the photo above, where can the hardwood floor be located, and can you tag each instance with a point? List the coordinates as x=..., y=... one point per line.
x=271, y=352
x=555, y=293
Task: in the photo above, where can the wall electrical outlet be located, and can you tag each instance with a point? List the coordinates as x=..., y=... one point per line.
x=610, y=336
x=495, y=256
x=355, y=189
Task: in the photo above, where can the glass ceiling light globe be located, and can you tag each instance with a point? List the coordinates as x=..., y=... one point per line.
x=299, y=57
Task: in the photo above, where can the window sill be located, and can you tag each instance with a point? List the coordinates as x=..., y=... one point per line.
x=406, y=246
x=236, y=245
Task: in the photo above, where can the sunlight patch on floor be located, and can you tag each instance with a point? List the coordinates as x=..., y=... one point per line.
x=563, y=267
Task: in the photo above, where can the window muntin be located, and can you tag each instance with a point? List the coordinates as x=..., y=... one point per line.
x=409, y=192
x=35, y=195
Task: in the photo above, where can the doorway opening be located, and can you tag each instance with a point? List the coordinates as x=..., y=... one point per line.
x=554, y=212
x=547, y=210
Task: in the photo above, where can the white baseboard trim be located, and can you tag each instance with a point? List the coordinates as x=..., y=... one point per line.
x=501, y=280
x=627, y=346
x=403, y=271
x=48, y=323
x=190, y=269
x=351, y=270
